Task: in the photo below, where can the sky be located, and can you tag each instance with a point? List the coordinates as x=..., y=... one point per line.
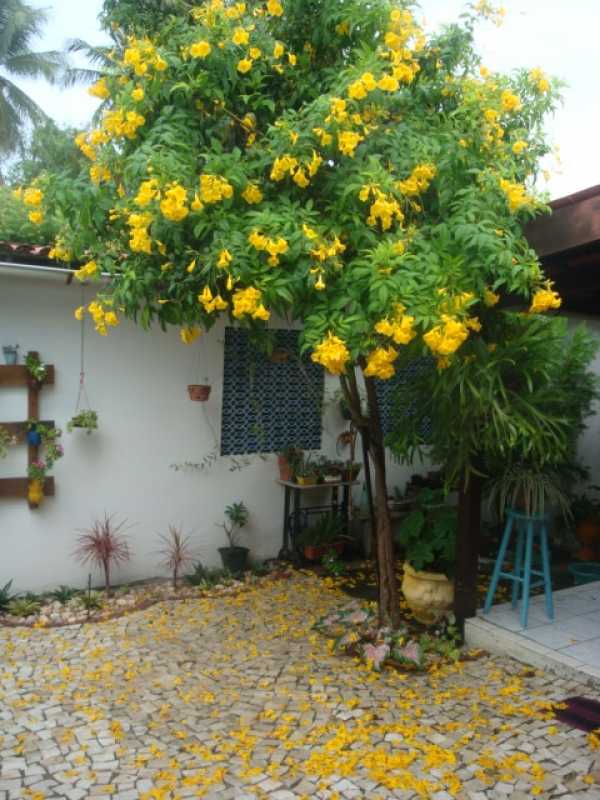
x=560, y=36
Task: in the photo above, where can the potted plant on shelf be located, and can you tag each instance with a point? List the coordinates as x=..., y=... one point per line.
x=350, y=471
x=36, y=368
x=428, y=536
x=332, y=472
x=234, y=557
x=305, y=473
x=6, y=440
x=586, y=514
x=53, y=450
x=34, y=434
x=86, y=420
x=11, y=353
x=199, y=392
x=287, y=460
x=322, y=537
x=36, y=472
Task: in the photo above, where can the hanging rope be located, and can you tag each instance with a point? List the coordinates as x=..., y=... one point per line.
x=82, y=395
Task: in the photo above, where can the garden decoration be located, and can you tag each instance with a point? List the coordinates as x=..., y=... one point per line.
x=234, y=557
x=428, y=536
x=292, y=189
x=11, y=353
x=84, y=418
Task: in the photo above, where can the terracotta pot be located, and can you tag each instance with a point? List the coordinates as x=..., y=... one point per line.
x=35, y=492
x=199, y=391
x=430, y=595
x=315, y=552
x=285, y=470
x=588, y=534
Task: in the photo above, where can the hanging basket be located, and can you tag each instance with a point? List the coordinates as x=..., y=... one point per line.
x=199, y=392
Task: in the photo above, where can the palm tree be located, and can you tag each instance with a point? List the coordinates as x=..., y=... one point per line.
x=19, y=25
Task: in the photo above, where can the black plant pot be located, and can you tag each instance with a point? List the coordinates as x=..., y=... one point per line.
x=235, y=559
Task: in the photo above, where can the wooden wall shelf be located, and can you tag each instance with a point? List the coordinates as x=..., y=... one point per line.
x=19, y=429
x=18, y=487
x=18, y=375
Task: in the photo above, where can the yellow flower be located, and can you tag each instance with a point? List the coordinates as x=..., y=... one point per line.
x=79, y=312
x=191, y=266
x=274, y=8
x=240, y=36
x=261, y=313
x=418, y=181
x=348, y=141
x=99, y=89
x=147, y=192
x=332, y=354
x=490, y=298
x=252, y=194
x=36, y=217
x=110, y=318
x=515, y=194
x=542, y=83
x=224, y=259
x=138, y=94
x=446, y=338
x=510, y=101
x=247, y=301
x=292, y=59
x=254, y=52
x=173, y=205
x=379, y=363
x=388, y=83
x=32, y=196
x=519, y=146
x=545, y=299
x=278, y=50
x=300, y=179
x=320, y=283
x=200, y=49
x=214, y=188
x=189, y=334
x=244, y=65
x=89, y=270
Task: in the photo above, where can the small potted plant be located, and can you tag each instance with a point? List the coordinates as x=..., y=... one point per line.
x=11, y=353
x=34, y=434
x=287, y=460
x=350, y=471
x=36, y=368
x=199, y=392
x=305, y=474
x=234, y=557
x=428, y=536
x=322, y=537
x=6, y=440
x=36, y=472
x=86, y=420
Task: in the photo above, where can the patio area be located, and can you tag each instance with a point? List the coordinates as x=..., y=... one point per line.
x=569, y=644
x=237, y=698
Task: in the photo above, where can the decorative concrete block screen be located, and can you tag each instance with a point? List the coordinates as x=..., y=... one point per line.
x=269, y=404
x=385, y=393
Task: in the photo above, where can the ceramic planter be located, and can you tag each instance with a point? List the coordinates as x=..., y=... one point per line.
x=235, y=559
x=34, y=438
x=35, y=492
x=430, y=595
x=199, y=392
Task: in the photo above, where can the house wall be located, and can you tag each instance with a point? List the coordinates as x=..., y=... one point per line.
x=137, y=381
x=589, y=444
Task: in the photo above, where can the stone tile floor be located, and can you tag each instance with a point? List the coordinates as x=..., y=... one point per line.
x=236, y=697
x=572, y=639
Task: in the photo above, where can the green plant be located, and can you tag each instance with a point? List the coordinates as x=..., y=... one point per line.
x=64, y=593
x=304, y=467
x=332, y=564
x=36, y=471
x=177, y=552
x=84, y=419
x=24, y=606
x=428, y=534
x=104, y=546
x=205, y=577
x=237, y=518
x=36, y=368
x=530, y=490
x=6, y=440
x=5, y=595
x=328, y=528
x=90, y=601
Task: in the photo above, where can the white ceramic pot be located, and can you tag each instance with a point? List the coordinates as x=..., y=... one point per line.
x=430, y=595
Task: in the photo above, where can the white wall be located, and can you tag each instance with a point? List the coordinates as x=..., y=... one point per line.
x=137, y=381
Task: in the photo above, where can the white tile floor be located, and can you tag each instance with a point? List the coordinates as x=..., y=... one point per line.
x=570, y=641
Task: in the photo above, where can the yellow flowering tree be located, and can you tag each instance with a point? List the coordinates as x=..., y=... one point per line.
x=325, y=161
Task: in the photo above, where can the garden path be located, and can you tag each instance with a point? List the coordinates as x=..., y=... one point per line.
x=236, y=697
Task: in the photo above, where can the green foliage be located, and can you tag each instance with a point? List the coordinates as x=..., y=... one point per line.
x=528, y=489
x=237, y=515
x=51, y=149
x=206, y=577
x=332, y=564
x=64, y=593
x=15, y=225
x=87, y=420
x=520, y=396
x=6, y=441
x=36, y=368
x=24, y=606
x=328, y=528
x=90, y=601
x=5, y=595
x=428, y=534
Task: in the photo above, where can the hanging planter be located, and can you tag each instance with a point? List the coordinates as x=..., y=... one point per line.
x=83, y=420
x=199, y=392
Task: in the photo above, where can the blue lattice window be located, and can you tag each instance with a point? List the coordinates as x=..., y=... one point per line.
x=386, y=390
x=269, y=404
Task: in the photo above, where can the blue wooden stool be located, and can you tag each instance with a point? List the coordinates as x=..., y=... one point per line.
x=527, y=529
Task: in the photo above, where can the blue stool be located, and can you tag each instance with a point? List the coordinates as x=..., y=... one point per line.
x=527, y=529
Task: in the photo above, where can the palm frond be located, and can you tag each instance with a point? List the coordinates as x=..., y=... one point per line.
x=46, y=65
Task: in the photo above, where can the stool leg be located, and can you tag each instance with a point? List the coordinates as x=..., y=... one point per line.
x=527, y=574
x=498, y=565
x=518, y=565
x=547, y=573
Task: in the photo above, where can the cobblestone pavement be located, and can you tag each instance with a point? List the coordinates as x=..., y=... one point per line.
x=236, y=697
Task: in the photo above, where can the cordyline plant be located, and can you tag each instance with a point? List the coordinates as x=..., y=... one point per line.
x=104, y=546
x=354, y=174
x=176, y=551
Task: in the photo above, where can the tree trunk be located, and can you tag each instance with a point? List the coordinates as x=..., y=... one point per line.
x=389, y=607
x=467, y=550
x=107, y=577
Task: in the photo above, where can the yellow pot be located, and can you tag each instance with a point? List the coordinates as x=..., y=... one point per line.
x=430, y=595
x=35, y=492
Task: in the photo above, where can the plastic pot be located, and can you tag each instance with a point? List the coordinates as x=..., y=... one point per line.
x=34, y=438
x=587, y=572
x=35, y=492
x=235, y=559
x=199, y=392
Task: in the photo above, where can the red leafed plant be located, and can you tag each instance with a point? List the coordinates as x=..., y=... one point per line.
x=176, y=551
x=103, y=545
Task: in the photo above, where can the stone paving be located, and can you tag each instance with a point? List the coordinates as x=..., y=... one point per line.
x=236, y=697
